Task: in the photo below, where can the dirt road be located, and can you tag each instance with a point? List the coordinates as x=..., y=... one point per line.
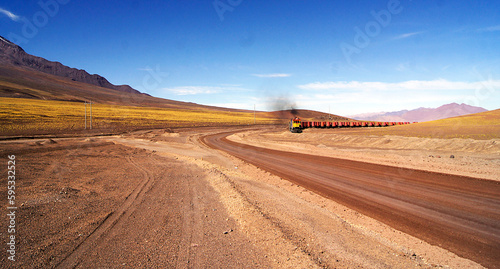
x=161, y=198
x=88, y=203
x=458, y=213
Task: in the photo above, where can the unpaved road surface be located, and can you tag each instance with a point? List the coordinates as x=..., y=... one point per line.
x=459, y=213
x=94, y=204
x=163, y=199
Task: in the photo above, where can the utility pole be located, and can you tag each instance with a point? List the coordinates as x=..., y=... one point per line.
x=90, y=115
x=85, y=115
x=90, y=104
x=254, y=120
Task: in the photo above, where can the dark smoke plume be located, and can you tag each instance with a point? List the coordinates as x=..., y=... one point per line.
x=283, y=106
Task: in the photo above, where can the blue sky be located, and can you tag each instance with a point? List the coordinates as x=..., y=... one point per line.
x=347, y=57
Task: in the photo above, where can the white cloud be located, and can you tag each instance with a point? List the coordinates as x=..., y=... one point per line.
x=446, y=67
x=231, y=85
x=351, y=103
x=439, y=84
x=354, y=97
x=408, y=35
x=402, y=67
x=490, y=29
x=193, y=90
x=246, y=106
x=272, y=75
x=9, y=14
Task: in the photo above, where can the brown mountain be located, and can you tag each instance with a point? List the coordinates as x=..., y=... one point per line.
x=423, y=114
x=26, y=76
x=12, y=54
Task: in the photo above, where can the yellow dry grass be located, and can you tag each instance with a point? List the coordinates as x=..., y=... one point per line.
x=28, y=116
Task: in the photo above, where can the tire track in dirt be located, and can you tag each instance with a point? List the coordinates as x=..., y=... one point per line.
x=190, y=224
x=250, y=229
x=110, y=221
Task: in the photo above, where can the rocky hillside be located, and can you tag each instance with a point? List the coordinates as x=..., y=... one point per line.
x=12, y=54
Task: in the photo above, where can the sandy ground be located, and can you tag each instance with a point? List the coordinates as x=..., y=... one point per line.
x=161, y=199
x=467, y=157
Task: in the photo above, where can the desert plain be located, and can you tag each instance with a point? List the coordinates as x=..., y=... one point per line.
x=165, y=198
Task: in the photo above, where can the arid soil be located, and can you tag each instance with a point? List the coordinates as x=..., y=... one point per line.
x=90, y=202
x=456, y=212
x=466, y=157
x=163, y=199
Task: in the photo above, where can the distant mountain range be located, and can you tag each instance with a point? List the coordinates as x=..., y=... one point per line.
x=23, y=75
x=421, y=114
x=27, y=76
x=11, y=53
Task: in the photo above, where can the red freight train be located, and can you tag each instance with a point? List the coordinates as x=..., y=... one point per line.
x=296, y=124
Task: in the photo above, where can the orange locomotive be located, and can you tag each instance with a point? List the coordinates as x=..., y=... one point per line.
x=295, y=125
